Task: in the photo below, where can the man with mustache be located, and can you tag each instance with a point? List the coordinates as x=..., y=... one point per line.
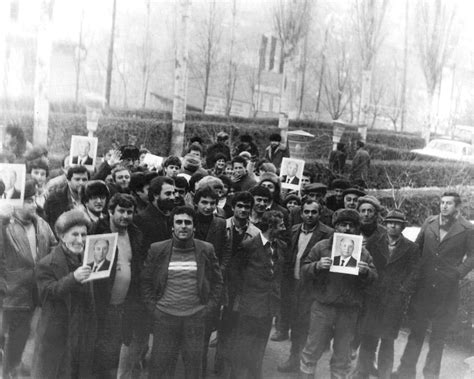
x=155, y=221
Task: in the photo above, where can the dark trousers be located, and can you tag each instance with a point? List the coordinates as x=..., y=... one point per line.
x=441, y=316
x=227, y=329
x=368, y=348
x=330, y=321
x=299, y=320
x=283, y=318
x=108, y=342
x=211, y=324
x=16, y=324
x=251, y=337
x=173, y=335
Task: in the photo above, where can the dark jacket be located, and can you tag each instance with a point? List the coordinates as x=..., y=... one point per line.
x=17, y=267
x=155, y=273
x=56, y=204
x=259, y=280
x=154, y=225
x=375, y=243
x=245, y=183
x=443, y=263
x=217, y=236
x=321, y=232
x=333, y=288
x=360, y=165
x=333, y=203
x=387, y=297
x=59, y=326
x=133, y=306
x=276, y=155
x=352, y=262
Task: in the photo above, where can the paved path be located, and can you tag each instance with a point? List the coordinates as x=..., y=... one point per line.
x=453, y=366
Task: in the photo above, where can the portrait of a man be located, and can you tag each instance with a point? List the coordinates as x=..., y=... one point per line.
x=345, y=258
x=291, y=177
x=83, y=149
x=99, y=254
x=100, y=248
x=9, y=178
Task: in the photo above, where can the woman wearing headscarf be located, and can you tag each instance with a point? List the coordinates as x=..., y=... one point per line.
x=67, y=326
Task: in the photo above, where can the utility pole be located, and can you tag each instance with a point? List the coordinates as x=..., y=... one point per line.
x=108, y=83
x=403, y=101
x=42, y=71
x=180, y=83
x=79, y=58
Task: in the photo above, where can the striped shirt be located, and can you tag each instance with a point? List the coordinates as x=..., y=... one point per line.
x=181, y=296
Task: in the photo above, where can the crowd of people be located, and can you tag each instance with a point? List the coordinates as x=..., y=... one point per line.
x=210, y=252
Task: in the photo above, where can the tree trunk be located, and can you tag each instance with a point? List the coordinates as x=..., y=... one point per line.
x=146, y=55
x=78, y=59
x=180, y=71
x=288, y=97
x=108, y=83
x=405, y=70
x=229, y=89
x=43, y=66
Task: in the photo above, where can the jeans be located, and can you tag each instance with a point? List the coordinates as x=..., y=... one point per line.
x=251, y=337
x=16, y=325
x=329, y=321
x=173, y=335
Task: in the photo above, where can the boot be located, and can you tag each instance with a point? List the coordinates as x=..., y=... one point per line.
x=292, y=364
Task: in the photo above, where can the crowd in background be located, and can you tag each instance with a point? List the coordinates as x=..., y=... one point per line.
x=211, y=242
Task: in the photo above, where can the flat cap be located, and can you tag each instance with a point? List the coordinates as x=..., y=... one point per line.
x=315, y=187
x=367, y=199
x=396, y=215
x=340, y=183
x=353, y=190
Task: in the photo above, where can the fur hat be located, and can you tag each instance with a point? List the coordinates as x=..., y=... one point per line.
x=69, y=219
x=346, y=215
x=369, y=200
x=268, y=176
x=191, y=163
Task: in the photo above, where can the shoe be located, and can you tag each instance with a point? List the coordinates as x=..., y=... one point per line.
x=291, y=365
x=279, y=336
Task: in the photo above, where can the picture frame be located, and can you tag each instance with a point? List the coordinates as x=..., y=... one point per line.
x=83, y=151
x=290, y=173
x=13, y=177
x=345, y=254
x=99, y=254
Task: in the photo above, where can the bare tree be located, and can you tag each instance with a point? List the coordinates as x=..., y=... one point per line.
x=204, y=56
x=291, y=21
x=336, y=81
x=110, y=56
x=232, y=68
x=79, y=57
x=181, y=65
x=146, y=51
x=369, y=15
x=435, y=40
x=43, y=67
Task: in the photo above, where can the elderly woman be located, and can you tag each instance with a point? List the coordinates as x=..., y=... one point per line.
x=66, y=329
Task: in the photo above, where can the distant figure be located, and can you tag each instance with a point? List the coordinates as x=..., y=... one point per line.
x=15, y=141
x=337, y=159
x=82, y=158
x=220, y=147
x=247, y=144
x=360, y=163
x=276, y=151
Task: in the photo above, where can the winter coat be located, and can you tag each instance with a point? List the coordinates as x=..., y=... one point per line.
x=388, y=296
x=60, y=342
x=276, y=156
x=17, y=266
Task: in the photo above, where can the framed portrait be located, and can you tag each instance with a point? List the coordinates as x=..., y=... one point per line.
x=12, y=184
x=153, y=161
x=99, y=254
x=345, y=253
x=83, y=151
x=290, y=173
